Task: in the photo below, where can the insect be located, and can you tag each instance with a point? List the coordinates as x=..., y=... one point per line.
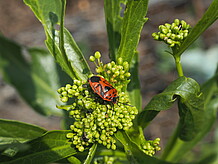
x=104, y=89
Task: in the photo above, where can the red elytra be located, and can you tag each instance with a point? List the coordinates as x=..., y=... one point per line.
x=104, y=89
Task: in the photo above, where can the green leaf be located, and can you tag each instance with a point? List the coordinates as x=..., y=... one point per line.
x=15, y=131
x=210, y=87
x=36, y=77
x=210, y=151
x=134, y=85
x=191, y=106
x=210, y=16
x=60, y=42
x=134, y=154
x=112, y=10
x=133, y=21
x=179, y=148
x=51, y=147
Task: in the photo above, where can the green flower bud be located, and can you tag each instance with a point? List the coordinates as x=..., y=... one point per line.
x=167, y=25
x=113, y=147
x=64, y=93
x=99, y=70
x=169, y=41
x=97, y=55
x=160, y=27
x=81, y=148
x=77, y=94
x=104, y=143
x=80, y=88
x=126, y=66
x=172, y=45
x=122, y=72
x=109, y=65
x=122, y=77
x=92, y=58
x=60, y=90
x=113, y=69
x=120, y=61
x=116, y=73
x=86, y=92
x=96, y=135
x=70, y=135
x=113, y=63
x=64, y=99
x=183, y=23
x=176, y=29
x=68, y=86
x=74, y=86
x=80, y=102
x=162, y=36
x=103, y=137
x=164, y=30
x=177, y=22
x=185, y=35
x=155, y=36
x=173, y=25
x=108, y=146
x=173, y=36
x=71, y=91
x=75, y=142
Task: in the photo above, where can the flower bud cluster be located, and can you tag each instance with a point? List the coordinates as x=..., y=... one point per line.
x=96, y=120
x=104, y=160
x=172, y=34
x=151, y=146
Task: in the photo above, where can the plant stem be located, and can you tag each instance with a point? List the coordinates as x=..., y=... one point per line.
x=91, y=154
x=170, y=144
x=178, y=65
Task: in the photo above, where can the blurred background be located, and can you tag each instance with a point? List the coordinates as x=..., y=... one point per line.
x=85, y=20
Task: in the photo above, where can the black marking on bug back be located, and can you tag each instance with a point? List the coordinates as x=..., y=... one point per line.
x=101, y=92
x=107, y=88
x=95, y=79
x=96, y=90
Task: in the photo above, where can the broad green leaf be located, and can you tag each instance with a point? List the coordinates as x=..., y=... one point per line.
x=191, y=113
x=210, y=16
x=112, y=10
x=35, y=77
x=192, y=116
x=51, y=147
x=15, y=131
x=134, y=154
x=179, y=148
x=59, y=41
x=134, y=85
x=133, y=21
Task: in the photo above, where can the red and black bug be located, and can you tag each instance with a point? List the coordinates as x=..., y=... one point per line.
x=104, y=89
